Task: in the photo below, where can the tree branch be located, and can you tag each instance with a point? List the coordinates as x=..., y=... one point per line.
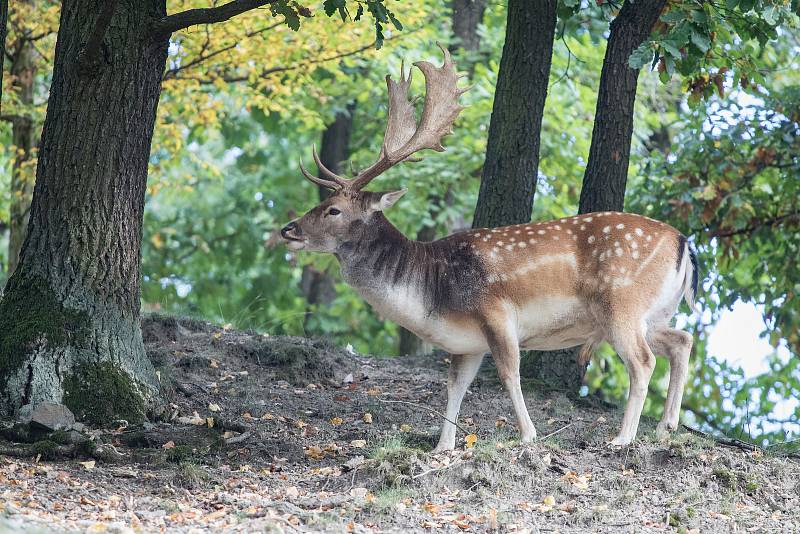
x=775, y=221
x=89, y=56
x=202, y=56
x=209, y=15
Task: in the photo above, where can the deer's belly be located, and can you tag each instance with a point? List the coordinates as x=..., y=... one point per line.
x=554, y=323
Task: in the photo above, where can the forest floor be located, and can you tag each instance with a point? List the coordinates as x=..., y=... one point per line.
x=290, y=434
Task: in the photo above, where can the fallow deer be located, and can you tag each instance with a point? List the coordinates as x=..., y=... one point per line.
x=574, y=281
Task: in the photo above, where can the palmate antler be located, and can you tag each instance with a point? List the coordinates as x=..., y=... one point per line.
x=403, y=136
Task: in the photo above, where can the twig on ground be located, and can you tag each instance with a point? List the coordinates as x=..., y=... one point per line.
x=426, y=408
x=557, y=431
x=237, y=439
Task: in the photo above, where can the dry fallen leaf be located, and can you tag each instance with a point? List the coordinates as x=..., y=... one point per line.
x=470, y=440
x=214, y=407
x=88, y=465
x=336, y=421
x=358, y=443
x=501, y=422
x=168, y=445
x=405, y=427
x=431, y=508
x=367, y=418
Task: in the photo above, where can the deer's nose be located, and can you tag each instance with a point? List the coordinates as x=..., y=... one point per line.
x=291, y=227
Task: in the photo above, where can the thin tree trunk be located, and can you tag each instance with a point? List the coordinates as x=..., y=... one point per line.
x=512, y=152
x=318, y=286
x=3, y=27
x=23, y=74
x=607, y=169
x=69, y=320
x=466, y=16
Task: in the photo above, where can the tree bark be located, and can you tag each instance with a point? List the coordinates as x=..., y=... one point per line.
x=23, y=73
x=606, y=172
x=318, y=286
x=607, y=169
x=512, y=152
x=69, y=320
x=3, y=29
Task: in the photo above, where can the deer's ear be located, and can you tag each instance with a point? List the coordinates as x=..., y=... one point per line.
x=387, y=200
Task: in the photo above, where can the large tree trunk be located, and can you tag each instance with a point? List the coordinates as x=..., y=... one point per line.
x=23, y=73
x=318, y=286
x=69, y=320
x=607, y=169
x=512, y=152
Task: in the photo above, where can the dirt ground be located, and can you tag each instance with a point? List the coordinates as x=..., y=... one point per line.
x=269, y=434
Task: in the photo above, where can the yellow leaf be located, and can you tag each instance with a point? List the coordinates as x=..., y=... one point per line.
x=336, y=421
x=88, y=465
x=405, y=427
x=214, y=407
x=168, y=445
x=470, y=440
x=549, y=500
x=367, y=418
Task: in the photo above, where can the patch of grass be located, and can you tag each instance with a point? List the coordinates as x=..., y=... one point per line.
x=387, y=499
x=190, y=475
x=395, y=461
x=725, y=477
x=180, y=453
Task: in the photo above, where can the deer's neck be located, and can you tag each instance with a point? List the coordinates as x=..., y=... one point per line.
x=395, y=274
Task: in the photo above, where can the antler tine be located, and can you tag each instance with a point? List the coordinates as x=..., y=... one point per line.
x=319, y=181
x=326, y=171
x=403, y=136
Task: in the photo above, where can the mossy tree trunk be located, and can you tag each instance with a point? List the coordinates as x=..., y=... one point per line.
x=3, y=28
x=606, y=173
x=69, y=320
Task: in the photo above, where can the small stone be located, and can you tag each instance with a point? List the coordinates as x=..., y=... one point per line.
x=52, y=417
x=75, y=437
x=24, y=413
x=80, y=427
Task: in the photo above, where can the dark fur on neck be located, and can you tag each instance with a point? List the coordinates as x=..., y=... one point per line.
x=448, y=273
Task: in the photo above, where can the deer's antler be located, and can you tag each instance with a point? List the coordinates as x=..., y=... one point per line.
x=403, y=137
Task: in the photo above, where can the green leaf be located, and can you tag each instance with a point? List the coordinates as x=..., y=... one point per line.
x=700, y=41
x=641, y=56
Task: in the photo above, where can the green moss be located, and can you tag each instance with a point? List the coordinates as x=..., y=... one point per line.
x=180, y=453
x=101, y=392
x=31, y=315
x=48, y=450
x=726, y=477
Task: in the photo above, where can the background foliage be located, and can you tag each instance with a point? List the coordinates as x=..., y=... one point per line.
x=715, y=153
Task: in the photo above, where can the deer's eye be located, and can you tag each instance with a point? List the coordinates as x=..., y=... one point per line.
x=333, y=211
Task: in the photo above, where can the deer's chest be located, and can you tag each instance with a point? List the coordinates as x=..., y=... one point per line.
x=406, y=306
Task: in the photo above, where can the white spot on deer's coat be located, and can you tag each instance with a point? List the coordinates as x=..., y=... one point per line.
x=569, y=232
x=634, y=245
x=638, y=231
x=628, y=237
x=509, y=247
x=591, y=239
x=499, y=243
x=583, y=227
x=541, y=232
x=589, y=219
x=620, y=226
x=618, y=252
x=555, y=238
x=532, y=241
x=522, y=244
x=606, y=229
x=557, y=227
x=635, y=254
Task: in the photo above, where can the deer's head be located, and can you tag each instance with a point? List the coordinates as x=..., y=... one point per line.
x=336, y=219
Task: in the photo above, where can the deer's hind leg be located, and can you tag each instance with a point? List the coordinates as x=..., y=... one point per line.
x=632, y=347
x=676, y=345
x=463, y=369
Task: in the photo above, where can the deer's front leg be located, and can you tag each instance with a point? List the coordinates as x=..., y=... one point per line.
x=463, y=369
x=505, y=351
